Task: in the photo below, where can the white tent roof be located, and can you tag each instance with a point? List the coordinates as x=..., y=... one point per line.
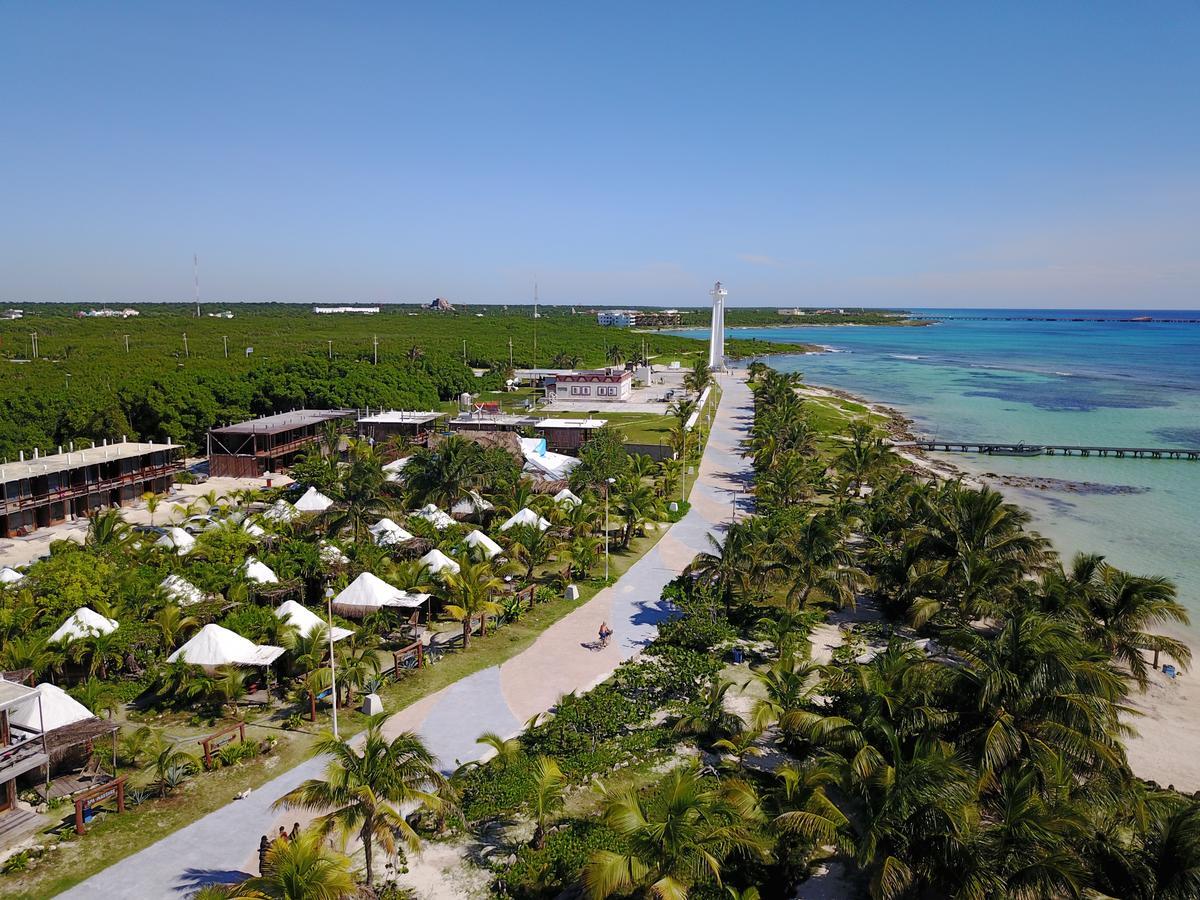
x=83, y=621
x=526, y=517
x=253, y=530
x=481, y=541
x=216, y=646
x=313, y=501
x=432, y=514
x=282, y=511
x=394, y=471
x=259, y=571
x=332, y=555
x=181, y=590
x=436, y=561
x=306, y=620
x=178, y=539
x=565, y=496
x=367, y=592
x=9, y=575
x=58, y=709
x=470, y=504
x=546, y=463
x=385, y=532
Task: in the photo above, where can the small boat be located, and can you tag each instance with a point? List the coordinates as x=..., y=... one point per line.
x=1021, y=449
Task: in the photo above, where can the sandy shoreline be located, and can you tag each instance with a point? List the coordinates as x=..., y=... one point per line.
x=1166, y=716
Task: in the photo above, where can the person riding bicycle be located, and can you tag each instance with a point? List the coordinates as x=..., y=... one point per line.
x=605, y=634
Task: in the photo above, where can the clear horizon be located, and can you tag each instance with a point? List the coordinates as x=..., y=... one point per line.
x=919, y=157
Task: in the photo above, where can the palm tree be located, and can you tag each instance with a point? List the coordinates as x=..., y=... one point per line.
x=530, y=546
x=98, y=696
x=472, y=589
x=699, y=377
x=506, y=750
x=710, y=718
x=682, y=410
x=549, y=789
x=230, y=686
x=167, y=763
x=299, y=869
x=172, y=624
x=637, y=505
x=108, y=532
x=818, y=565
x=101, y=650
x=151, y=500
x=415, y=353
x=676, y=835
x=364, y=791
x=358, y=665
x=614, y=354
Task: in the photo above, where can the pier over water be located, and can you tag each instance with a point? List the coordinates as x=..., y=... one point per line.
x=1000, y=448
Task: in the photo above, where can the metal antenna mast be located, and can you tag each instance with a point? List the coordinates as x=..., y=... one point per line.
x=196, y=282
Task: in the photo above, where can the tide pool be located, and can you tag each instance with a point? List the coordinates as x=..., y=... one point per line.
x=979, y=376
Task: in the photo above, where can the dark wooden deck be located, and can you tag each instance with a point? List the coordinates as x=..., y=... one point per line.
x=998, y=448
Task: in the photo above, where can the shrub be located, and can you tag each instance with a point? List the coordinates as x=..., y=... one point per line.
x=546, y=873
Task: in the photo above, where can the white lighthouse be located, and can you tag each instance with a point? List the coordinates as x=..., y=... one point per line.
x=716, y=339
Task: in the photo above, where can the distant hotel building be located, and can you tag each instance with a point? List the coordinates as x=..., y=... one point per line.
x=607, y=386
x=334, y=310
x=46, y=490
x=106, y=313
x=628, y=318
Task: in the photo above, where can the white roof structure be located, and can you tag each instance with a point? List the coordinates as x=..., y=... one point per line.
x=480, y=541
x=565, y=496
x=367, y=593
x=546, y=463
x=282, y=511
x=437, y=562
x=435, y=516
x=83, y=621
x=64, y=462
x=215, y=646
x=471, y=504
x=181, y=590
x=387, y=532
x=58, y=709
x=306, y=620
x=394, y=471
x=332, y=555
x=253, y=530
x=260, y=572
x=526, y=517
x=9, y=575
x=313, y=501
x=178, y=539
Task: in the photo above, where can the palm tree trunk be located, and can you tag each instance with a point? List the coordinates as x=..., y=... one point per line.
x=467, y=631
x=367, y=848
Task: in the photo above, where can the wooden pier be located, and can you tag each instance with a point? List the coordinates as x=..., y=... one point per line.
x=1021, y=449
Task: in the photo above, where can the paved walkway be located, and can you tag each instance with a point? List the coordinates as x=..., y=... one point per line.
x=222, y=845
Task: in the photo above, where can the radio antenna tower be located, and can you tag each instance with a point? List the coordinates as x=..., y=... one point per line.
x=196, y=282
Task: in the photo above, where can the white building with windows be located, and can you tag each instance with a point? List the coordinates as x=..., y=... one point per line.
x=605, y=386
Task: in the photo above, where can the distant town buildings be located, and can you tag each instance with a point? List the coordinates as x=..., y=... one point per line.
x=224, y=314
x=797, y=311
x=106, y=313
x=12, y=314
x=337, y=310
x=442, y=305
x=628, y=318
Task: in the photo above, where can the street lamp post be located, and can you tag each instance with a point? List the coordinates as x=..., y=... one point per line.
x=733, y=512
x=607, y=484
x=332, y=660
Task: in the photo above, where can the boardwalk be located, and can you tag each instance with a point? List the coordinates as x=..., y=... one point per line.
x=1001, y=448
x=221, y=846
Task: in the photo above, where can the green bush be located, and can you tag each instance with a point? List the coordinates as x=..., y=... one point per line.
x=546, y=873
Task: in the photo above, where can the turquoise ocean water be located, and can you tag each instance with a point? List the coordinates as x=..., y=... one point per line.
x=992, y=374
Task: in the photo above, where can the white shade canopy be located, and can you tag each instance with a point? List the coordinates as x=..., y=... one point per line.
x=332, y=555
x=179, y=539
x=306, y=621
x=566, y=497
x=387, y=532
x=393, y=471
x=83, y=621
x=367, y=593
x=215, y=646
x=481, y=542
x=526, y=517
x=471, y=504
x=282, y=511
x=313, y=501
x=181, y=590
x=259, y=572
x=434, y=516
x=546, y=464
x=9, y=575
x=58, y=709
x=252, y=529
x=437, y=562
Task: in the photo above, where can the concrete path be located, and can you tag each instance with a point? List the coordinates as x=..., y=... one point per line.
x=221, y=847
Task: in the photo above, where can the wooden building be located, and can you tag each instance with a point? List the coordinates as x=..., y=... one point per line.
x=485, y=420
x=46, y=490
x=250, y=449
x=568, y=435
x=383, y=426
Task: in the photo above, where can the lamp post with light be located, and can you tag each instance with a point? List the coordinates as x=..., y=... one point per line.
x=332, y=661
x=608, y=483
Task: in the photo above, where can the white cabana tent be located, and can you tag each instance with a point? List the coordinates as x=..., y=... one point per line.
x=367, y=593
x=259, y=572
x=9, y=575
x=546, y=464
x=181, y=590
x=387, y=532
x=252, y=529
x=178, y=539
x=58, y=709
x=282, y=511
x=313, y=501
x=434, y=516
x=332, y=555
x=526, y=517
x=83, y=621
x=470, y=505
x=215, y=646
x=394, y=471
x=306, y=620
x=565, y=496
x=437, y=562
x=481, y=542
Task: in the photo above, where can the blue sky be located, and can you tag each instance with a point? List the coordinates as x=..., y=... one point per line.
x=1040, y=154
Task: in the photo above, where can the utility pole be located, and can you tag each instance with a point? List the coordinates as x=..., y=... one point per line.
x=510, y=357
x=126, y=343
x=535, y=318
x=464, y=351
x=225, y=342
x=330, y=343
x=375, y=345
x=33, y=344
x=186, y=353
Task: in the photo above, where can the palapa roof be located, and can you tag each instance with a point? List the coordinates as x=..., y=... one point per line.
x=332, y=555
x=215, y=646
x=9, y=575
x=436, y=517
x=481, y=541
x=471, y=504
x=177, y=538
x=83, y=621
x=306, y=621
x=368, y=592
x=385, y=532
x=526, y=517
x=394, y=471
x=260, y=572
x=280, y=511
x=313, y=501
x=58, y=709
x=565, y=496
x=181, y=590
x=252, y=529
x=436, y=562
